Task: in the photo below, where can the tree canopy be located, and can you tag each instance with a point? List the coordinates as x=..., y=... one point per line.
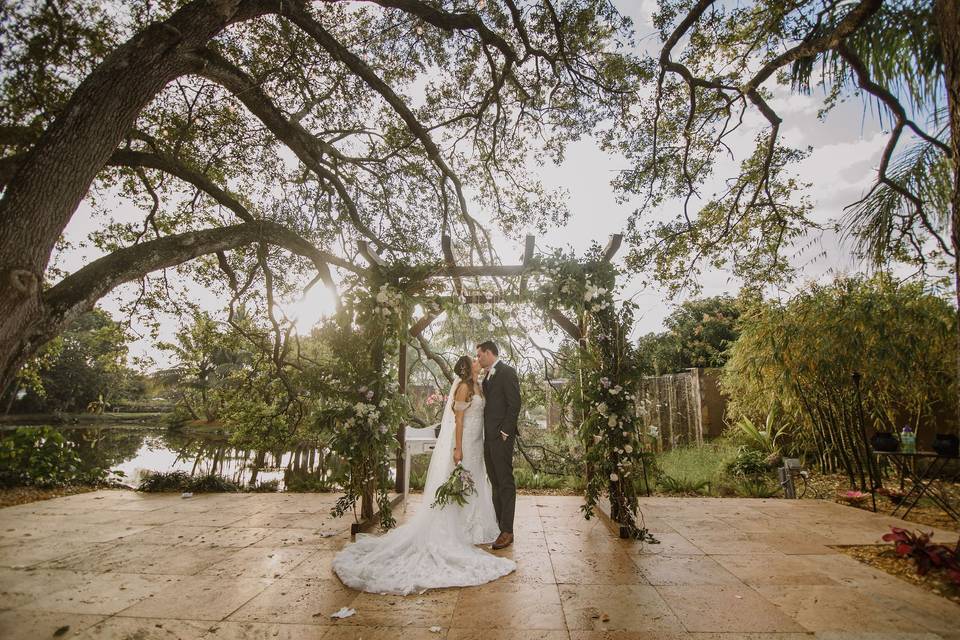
x=719, y=68
x=698, y=334
x=270, y=137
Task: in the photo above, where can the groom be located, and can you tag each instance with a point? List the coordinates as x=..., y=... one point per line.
x=502, y=391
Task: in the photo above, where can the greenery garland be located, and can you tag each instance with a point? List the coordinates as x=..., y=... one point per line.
x=610, y=431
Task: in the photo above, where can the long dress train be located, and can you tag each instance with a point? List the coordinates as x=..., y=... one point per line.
x=435, y=548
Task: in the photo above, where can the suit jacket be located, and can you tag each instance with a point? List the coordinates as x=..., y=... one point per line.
x=502, y=408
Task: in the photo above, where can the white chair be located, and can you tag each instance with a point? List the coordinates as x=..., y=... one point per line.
x=422, y=440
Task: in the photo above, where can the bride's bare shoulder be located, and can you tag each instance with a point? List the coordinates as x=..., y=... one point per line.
x=462, y=392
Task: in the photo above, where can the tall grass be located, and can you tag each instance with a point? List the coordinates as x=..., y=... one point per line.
x=695, y=470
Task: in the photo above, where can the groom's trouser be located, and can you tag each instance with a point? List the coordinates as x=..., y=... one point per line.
x=498, y=455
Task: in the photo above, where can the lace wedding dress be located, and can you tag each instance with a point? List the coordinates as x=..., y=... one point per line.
x=435, y=548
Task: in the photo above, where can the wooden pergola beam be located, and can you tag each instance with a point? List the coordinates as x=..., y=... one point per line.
x=447, y=245
x=371, y=256
x=421, y=324
x=566, y=324
x=613, y=245
x=529, y=245
x=493, y=270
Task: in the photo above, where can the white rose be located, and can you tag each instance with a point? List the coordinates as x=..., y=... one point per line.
x=602, y=408
x=597, y=438
x=612, y=420
x=628, y=448
x=614, y=477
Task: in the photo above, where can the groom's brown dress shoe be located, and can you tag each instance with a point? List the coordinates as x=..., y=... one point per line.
x=503, y=541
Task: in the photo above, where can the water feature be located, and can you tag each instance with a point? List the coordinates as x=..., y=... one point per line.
x=139, y=450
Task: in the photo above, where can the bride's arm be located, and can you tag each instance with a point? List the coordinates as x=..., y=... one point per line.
x=459, y=406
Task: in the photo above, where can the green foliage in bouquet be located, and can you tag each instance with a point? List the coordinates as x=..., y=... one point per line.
x=457, y=488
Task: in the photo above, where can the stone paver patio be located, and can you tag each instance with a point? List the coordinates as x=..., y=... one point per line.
x=115, y=564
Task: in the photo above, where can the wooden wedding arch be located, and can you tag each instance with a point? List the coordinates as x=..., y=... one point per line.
x=414, y=329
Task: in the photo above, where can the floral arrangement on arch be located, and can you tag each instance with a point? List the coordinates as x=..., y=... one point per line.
x=366, y=413
x=609, y=371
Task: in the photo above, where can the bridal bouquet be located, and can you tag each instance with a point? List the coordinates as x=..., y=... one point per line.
x=458, y=487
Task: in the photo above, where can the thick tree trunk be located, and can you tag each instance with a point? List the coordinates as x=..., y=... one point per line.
x=56, y=174
x=947, y=14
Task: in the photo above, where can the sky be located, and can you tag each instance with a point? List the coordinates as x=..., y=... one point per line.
x=847, y=147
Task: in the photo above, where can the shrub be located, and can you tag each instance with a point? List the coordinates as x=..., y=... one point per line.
x=418, y=478
x=748, y=463
x=212, y=483
x=683, y=485
x=266, y=486
x=41, y=456
x=756, y=486
x=310, y=483
x=160, y=481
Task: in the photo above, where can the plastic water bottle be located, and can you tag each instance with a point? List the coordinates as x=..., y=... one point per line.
x=908, y=440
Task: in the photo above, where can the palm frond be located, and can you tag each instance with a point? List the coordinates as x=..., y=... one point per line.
x=898, y=46
x=884, y=222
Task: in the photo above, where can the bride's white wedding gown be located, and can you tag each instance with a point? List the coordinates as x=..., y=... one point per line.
x=435, y=548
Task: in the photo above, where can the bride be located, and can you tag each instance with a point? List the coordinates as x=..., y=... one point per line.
x=436, y=547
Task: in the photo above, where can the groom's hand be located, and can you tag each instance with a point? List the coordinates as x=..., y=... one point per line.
x=503, y=436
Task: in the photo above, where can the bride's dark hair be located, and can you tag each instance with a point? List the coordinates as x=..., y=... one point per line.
x=464, y=370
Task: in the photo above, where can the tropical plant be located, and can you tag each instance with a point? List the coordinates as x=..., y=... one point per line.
x=802, y=356
x=207, y=354
x=925, y=554
x=98, y=406
x=767, y=440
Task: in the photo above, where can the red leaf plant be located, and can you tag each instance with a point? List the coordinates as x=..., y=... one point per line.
x=926, y=554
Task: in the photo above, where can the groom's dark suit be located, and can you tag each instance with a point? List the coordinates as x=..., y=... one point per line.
x=500, y=413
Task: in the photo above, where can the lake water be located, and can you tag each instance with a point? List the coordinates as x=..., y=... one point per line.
x=136, y=451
